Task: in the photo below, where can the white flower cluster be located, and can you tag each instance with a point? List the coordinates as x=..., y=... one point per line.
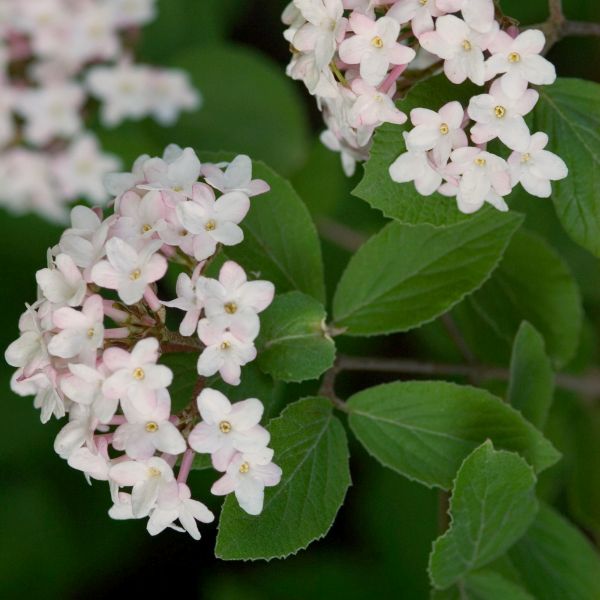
x=55, y=56
x=107, y=379
x=352, y=54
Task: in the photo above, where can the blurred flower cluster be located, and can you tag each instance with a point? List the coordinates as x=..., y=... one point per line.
x=109, y=381
x=59, y=61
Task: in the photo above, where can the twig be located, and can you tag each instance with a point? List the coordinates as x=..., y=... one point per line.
x=340, y=235
x=457, y=338
x=327, y=388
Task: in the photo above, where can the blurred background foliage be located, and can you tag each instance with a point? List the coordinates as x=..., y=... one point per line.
x=56, y=540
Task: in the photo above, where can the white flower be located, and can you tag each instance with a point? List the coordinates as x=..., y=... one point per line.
x=190, y=298
x=374, y=47
x=169, y=92
x=247, y=476
x=420, y=13
x=237, y=177
x=501, y=116
x=62, y=283
x=478, y=14
x=139, y=218
x=372, y=107
x=78, y=431
x=129, y=271
x=226, y=429
x=535, y=168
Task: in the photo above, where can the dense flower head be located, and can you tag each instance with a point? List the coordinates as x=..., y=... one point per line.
x=358, y=56
x=91, y=346
x=57, y=57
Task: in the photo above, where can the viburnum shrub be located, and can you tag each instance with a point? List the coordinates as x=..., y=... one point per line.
x=193, y=325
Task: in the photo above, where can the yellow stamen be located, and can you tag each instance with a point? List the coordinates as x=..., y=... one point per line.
x=210, y=225
x=139, y=374
x=377, y=42
x=499, y=111
x=480, y=162
x=231, y=308
x=244, y=467
x=153, y=472
x=151, y=426
x=225, y=426
x=444, y=129
x=90, y=332
x=514, y=57
x=134, y=275
x=526, y=157
x=466, y=45
x=225, y=345
x=146, y=228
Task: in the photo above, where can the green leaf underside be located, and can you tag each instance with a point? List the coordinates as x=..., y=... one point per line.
x=493, y=503
x=280, y=240
x=484, y=584
x=569, y=112
x=533, y=284
x=531, y=377
x=311, y=448
x=293, y=345
x=407, y=275
x=401, y=201
x=425, y=429
x=555, y=561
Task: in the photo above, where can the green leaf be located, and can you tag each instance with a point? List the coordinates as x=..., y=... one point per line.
x=280, y=240
x=311, y=448
x=425, y=429
x=531, y=385
x=185, y=377
x=293, y=344
x=401, y=201
x=484, y=584
x=555, y=561
x=407, y=275
x=533, y=284
x=492, y=505
x=233, y=116
x=569, y=112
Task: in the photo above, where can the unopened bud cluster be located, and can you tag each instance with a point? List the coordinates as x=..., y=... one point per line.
x=357, y=56
x=90, y=346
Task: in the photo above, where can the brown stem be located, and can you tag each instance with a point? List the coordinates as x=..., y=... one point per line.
x=327, y=388
x=175, y=342
x=443, y=506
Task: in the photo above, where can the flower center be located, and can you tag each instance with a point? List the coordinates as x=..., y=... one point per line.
x=499, y=111
x=153, y=472
x=231, y=308
x=210, y=225
x=526, y=157
x=514, y=57
x=139, y=373
x=423, y=2
x=225, y=345
x=244, y=467
x=151, y=426
x=224, y=426
x=377, y=42
x=146, y=228
x=444, y=129
x=135, y=275
x=466, y=45
x=480, y=162
x=90, y=332
x=178, y=188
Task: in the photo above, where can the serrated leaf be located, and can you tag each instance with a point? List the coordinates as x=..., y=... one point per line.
x=311, y=448
x=407, y=275
x=533, y=284
x=492, y=505
x=401, y=201
x=484, y=584
x=293, y=344
x=569, y=112
x=555, y=561
x=531, y=377
x=425, y=429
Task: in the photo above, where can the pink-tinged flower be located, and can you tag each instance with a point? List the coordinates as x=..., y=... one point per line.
x=121, y=509
x=213, y=221
x=118, y=183
x=500, y=116
x=233, y=302
x=190, y=298
x=330, y=140
x=325, y=28
x=84, y=386
x=438, y=131
x=520, y=61
x=226, y=429
x=62, y=283
x=416, y=165
x=149, y=430
x=138, y=217
x=535, y=168
x=77, y=432
x=147, y=478
x=44, y=385
x=237, y=177
x=372, y=107
x=170, y=92
x=129, y=271
x=95, y=463
x=29, y=351
x=81, y=332
x=247, y=476
x=485, y=178
x=461, y=48
x=374, y=47
x=478, y=14
x=136, y=376
x=420, y=13
x=175, y=502
x=177, y=171
x=224, y=352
